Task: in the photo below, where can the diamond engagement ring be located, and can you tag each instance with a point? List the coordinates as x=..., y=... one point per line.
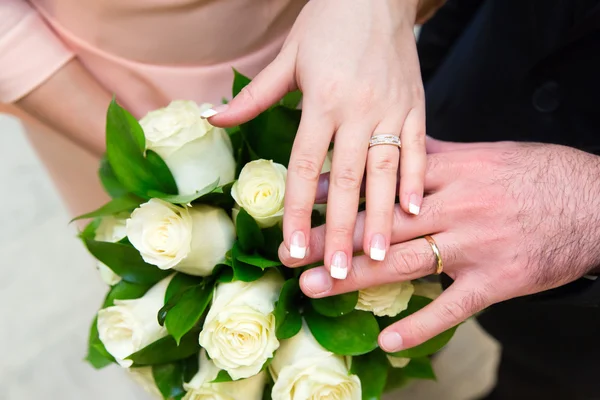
x=379, y=140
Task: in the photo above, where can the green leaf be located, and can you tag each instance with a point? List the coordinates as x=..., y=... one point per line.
x=125, y=261
x=109, y=180
x=396, y=379
x=166, y=350
x=89, y=232
x=287, y=313
x=335, y=306
x=222, y=376
x=125, y=291
x=240, y=81
x=161, y=171
x=372, y=369
x=125, y=146
x=190, y=367
x=97, y=355
x=292, y=99
x=431, y=346
x=248, y=232
x=349, y=335
x=179, y=284
x=242, y=271
x=115, y=206
x=169, y=379
x=273, y=239
x=185, y=199
x=188, y=310
x=271, y=135
x=219, y=197
x=257, y=260
x=420, y=368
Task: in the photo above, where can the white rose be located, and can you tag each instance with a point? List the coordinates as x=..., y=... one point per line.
x=398, y=362
x=201, y=388
x=144, y=378
x=111, y=229
x=239, y=330
x=188, y=239
x=196, y=152
x=322, y=208
x=131, y=325
x=260, y=190
x=385, y=300
x=302, y=369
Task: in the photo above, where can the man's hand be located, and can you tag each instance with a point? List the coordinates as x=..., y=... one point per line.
x=509, y=219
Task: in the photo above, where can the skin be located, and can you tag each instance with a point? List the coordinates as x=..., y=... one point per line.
x=359, y=73
x=510, y=219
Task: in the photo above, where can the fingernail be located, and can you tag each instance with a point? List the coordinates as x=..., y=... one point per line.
x=317, y=281
x=298, y=245
x=377, y=251
x=414, y=204
x=339, y=265
x=391, y=342
x=211, y=112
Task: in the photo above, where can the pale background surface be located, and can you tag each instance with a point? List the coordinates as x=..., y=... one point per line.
x=49, y=291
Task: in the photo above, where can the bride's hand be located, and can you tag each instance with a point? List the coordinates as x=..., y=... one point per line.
x=357, y=66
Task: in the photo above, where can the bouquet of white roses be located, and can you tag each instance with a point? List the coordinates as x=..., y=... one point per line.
x=199, y=306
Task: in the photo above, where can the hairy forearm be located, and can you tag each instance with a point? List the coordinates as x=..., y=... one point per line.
x=73, y=103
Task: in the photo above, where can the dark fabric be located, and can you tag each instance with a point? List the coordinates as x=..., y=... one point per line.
x=525, y=71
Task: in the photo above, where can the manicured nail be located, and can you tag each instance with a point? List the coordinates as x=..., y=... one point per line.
x=317, y=281
x=339, y=265
x=414, y=204
x=298, y=245
x=377, y=251
x=211, y=112
x=391, y=342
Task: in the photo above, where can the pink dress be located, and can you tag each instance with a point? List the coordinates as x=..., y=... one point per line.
x=146, y=52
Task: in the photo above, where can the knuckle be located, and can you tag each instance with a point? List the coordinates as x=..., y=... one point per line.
x=365, y=97
x=418, y=328
x=306, y=168
x=347, y=179
x=384, y=164
x=298, y=212
x=403, y=262
x=330, y=92
x=340, y=231
x=451, y=313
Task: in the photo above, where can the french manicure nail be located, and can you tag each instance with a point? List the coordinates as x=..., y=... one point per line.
x=317, y=281
x=377, y=251
x=211, y=112
x=339, y=265
x=391, y=342
x=298, y=245
x=414, y=204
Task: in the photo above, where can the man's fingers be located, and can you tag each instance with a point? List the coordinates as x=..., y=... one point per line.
x=464, y=298
x=267, y=88
x=405, y=261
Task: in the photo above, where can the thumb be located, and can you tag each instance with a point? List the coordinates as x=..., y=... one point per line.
x=461, y=300
x=269, y=86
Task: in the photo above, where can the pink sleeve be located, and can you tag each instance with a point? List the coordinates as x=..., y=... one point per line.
x=30, y=52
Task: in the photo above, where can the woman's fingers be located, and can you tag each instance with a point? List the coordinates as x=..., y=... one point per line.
x=381, y=179
x=464, y=298
x=413, y=160
x=406, y=261
x=347, y=170
x=267, y=88
x=308, y=153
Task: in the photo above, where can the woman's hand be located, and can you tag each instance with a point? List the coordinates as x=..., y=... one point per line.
x=357, y=66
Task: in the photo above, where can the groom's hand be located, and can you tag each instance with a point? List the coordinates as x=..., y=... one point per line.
x=509, y=219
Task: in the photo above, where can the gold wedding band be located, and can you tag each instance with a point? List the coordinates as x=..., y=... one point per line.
x=378, y=140
x=440, y=264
